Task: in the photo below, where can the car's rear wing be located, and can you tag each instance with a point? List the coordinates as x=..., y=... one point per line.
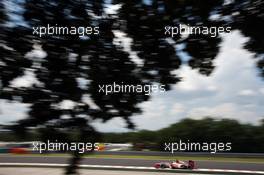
x=191, y=164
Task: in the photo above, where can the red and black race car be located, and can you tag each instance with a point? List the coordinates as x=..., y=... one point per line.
x=176, y=165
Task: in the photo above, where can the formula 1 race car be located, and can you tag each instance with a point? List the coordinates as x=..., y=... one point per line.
x=175, y=165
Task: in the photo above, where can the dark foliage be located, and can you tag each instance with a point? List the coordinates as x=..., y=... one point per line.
x=98, y=60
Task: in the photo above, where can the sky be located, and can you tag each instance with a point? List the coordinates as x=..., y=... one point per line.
x=234, y=90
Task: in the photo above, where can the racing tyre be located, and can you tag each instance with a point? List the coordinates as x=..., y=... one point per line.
x=162, y=166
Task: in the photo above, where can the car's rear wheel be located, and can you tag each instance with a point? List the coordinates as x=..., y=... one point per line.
x=162, y=166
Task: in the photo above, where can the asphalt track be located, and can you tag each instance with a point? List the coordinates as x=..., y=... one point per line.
x=59, y=171
x=129, y=162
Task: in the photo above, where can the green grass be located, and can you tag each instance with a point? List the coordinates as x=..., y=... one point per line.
x=201, y=158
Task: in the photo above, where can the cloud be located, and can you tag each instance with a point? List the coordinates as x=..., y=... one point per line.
x=12, y=111
x=193, y=81
x=247, y=92
x=123, y=41
x=261, y=90
x=177, y=108
x=234, y=90
x=27, y=80
x=112, y=9
x=227, y=93
x=67, y=104
x=36, y=52
x=114, y=125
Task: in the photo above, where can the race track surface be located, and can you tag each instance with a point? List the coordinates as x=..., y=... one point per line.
x=129, y=162
x=57, y=171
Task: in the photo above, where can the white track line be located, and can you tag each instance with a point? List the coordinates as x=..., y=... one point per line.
x=231, y=171
x=128, y=167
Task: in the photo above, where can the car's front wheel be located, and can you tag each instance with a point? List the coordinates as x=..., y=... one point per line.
x=184, y=167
